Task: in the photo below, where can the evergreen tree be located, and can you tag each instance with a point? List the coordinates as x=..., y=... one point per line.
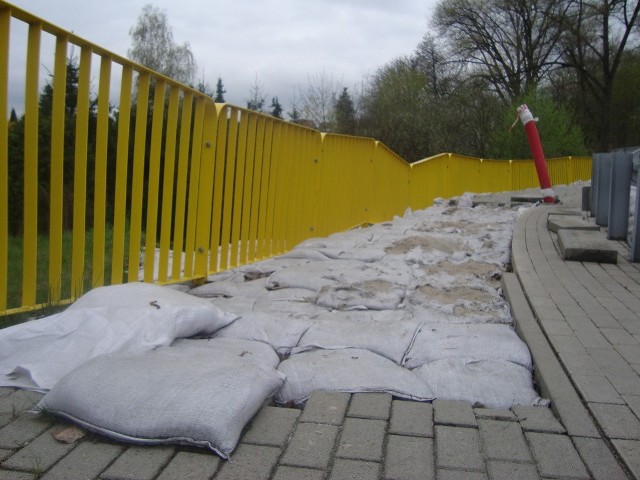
x=14, y=117
x=256, y=97
x=345, y=114
x=276, y=108
x=220, y=91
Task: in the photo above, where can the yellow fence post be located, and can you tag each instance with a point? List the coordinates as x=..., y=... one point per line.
x=5, y=17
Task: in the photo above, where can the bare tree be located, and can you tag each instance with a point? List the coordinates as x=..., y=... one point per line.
x=152, y=45
x=512, y=44
x=257, y=97
x=596, y=34
x=318, y=98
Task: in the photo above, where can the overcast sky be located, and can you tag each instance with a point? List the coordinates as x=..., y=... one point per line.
x=280, y=41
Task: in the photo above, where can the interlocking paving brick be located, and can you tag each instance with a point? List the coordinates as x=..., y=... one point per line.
x=596, y=388
x=12, y=475
x=617, y=421
x=272, y=426
x=370, y=405
x=294, y=473
x=578, y=363
x=494, y=414
x=566, y=344
x=139, y=463
x=625, y=383
x=503, y=441
x=344, y=469
x=411, y=418
x=311, y=445
x=23, y=430
x=250, y=461
x=444, y=474
x=5, y=453
x=556, y=457
x=458, y=448
x=501, y=470
x=409, y=458
x=629, y=451
x=598, y=458
x=40, y=454
x=632, y=401
x=362, y=439
x=631, y=353
x=618, y=336
x=326, y=407
x=454, y=412
x=86, y=461
x=537, y=419
x=190, y=466
x=13, y=403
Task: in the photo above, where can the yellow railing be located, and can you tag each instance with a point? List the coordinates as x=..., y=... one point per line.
x=175, y=187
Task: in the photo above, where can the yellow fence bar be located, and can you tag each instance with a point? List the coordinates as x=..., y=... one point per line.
x=5, y=17
x=122, y=165
x=80, y=175
x=188, y=186
x=100, y=187
x=57, y=170
x=30, y=198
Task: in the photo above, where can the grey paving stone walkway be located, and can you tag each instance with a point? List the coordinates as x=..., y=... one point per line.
x=578, y=319
x=589, y=314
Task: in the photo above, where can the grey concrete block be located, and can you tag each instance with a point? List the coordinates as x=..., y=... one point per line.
x=272, y=426
x=570, y=222
x=537, y=419
x=594, y=388
x=370, y=405
x=293, y=473
x=632, y=401
x=455, y=413
x=503, y=441
x=618, y=336
x=567, y=344
x=23, y=430
x=311, y=445
x=190, y=466
x=631, y=353
x=458, y=448
x=15, y=402
x=556, y=457
x=250, y=461
x=40, y=454
x=409, y=458
x=411, y=418
x=629, y=451
x=500, y=470
x=86, y=461
x=627, y=383
x=495, y=414
x=579, y=363
x=617, y=421
x=139, y=463
x=5, y=453
x=598, y=458
x=362, y=439
x=344, y=469
x=585, y=246
x=326, y=407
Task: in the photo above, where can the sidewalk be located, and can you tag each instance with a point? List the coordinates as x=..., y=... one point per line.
x=584, y=337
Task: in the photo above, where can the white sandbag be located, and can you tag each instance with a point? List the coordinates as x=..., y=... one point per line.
x=266, y=267
x=121, y=318
x=288, y=302
x=369, y=295
x=471, y=341
x=349, y=370
x=388, y=335
x=194, y=396
x=312, y=276
x=230, y=288
x=367, y=254
x=257, y=352
x=487, y=383
x=281, y=332
x=305, y=253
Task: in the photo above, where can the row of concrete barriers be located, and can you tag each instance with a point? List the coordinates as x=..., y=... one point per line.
x=609, y=200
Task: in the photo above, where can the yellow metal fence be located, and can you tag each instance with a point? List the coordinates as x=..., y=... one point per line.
x=168, y=186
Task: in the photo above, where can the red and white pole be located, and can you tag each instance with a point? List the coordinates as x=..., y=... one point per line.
x=548, y=195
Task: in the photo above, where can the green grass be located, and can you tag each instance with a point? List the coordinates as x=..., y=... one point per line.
x=14, y=284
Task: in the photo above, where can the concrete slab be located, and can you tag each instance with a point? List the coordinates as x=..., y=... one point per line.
x=570, y=222
x=586, y=246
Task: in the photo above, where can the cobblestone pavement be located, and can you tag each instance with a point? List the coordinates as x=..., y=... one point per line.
x=580, y=322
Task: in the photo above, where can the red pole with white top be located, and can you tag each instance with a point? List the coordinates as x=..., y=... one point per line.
x=548, y=195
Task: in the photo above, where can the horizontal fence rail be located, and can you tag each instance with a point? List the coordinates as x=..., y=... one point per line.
x=112, y=173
